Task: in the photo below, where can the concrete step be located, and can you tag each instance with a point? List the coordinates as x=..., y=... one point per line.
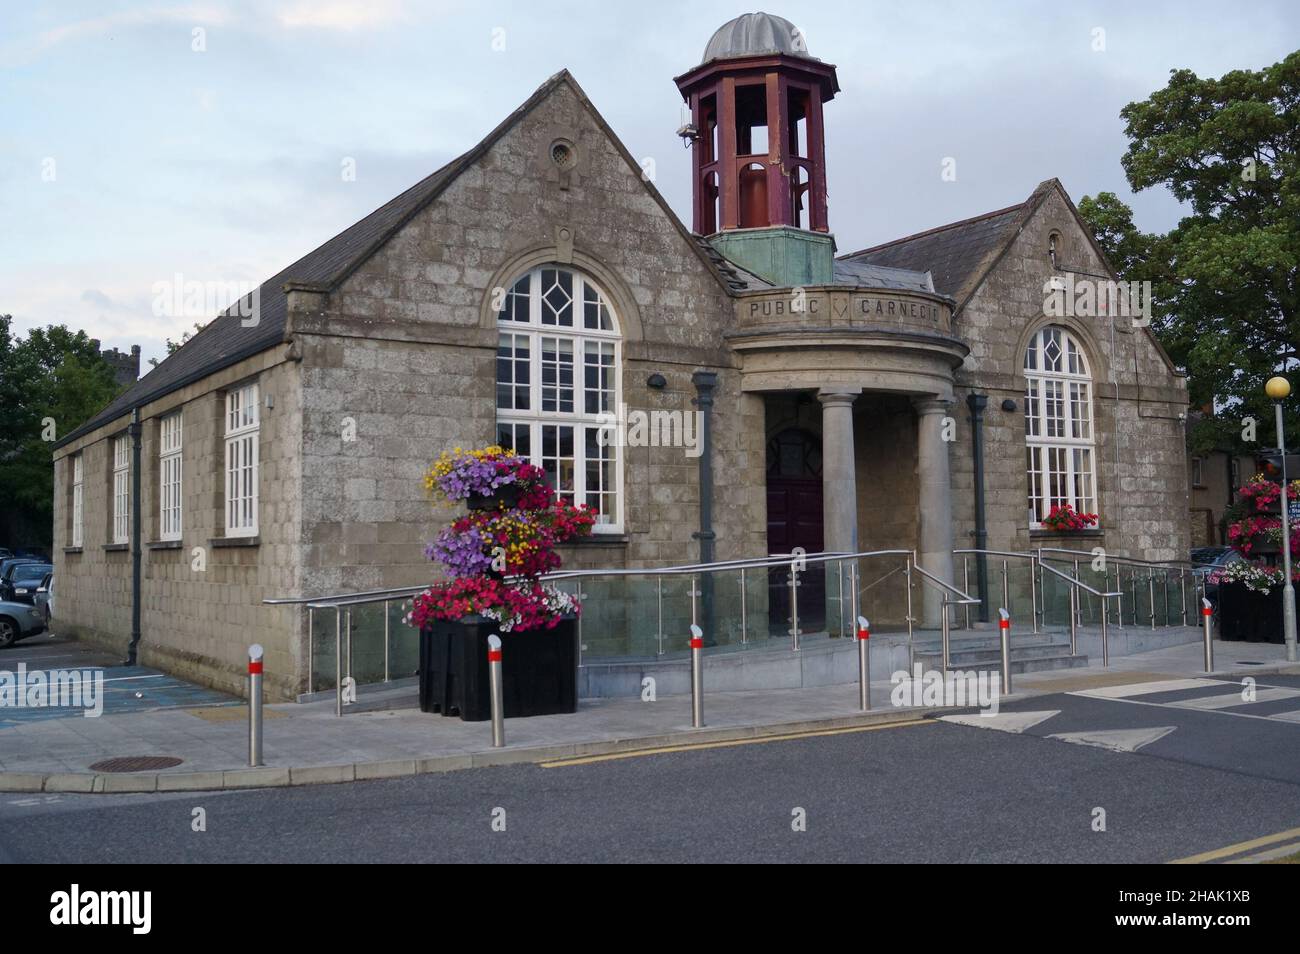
x=966, y=655
x=1038, y=658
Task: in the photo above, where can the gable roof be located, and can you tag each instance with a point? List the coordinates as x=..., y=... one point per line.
x=958, y=255
x=226, y=341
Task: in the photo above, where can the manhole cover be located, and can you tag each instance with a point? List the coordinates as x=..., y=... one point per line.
x=136, y=763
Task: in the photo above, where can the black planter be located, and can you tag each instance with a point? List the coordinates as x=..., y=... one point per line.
x=1245, y=614
x=539, y=669
x=503, y=498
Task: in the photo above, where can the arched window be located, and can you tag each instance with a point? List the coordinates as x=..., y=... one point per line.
x=557, y=371
x=1059, y=441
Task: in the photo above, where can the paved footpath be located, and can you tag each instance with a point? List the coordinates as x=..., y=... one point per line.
x=389, y=737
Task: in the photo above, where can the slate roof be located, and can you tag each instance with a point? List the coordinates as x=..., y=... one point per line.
x=956, y=255
x=737, y=278
x=225, y=340
x=868, y=275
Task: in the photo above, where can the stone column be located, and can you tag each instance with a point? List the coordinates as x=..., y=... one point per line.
x=934, y=505
x=839, y=482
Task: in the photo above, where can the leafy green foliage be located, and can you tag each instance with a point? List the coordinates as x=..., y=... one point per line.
x=1226, y=280
x=50, y=383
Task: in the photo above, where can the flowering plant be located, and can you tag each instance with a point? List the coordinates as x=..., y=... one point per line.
x=514, y=606
x=1255, y=576
x=457, y=475
x=496, y=556
x=1065, y=517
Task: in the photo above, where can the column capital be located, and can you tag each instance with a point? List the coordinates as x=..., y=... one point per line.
x=838, y=396
x=931, y=405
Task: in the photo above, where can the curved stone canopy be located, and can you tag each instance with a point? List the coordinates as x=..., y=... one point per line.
x=756, y=34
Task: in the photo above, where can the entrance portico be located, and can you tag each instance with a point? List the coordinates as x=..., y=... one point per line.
x=877, y=356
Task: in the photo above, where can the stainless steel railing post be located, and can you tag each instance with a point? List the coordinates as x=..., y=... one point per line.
x=386, y=641
x=1105, y=635
x=1035, y=580
x=338, y=661
x=965, y=586
x=1006, y=586
x=659, y=584
x=911, y=649
x=1074, y=620
x=1151, y=592
x=794, y=608
x=944, y=629
x=744, y=614
x=1182, y=592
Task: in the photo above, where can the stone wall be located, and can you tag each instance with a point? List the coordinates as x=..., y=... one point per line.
x=1140, y=457
x=195, y=622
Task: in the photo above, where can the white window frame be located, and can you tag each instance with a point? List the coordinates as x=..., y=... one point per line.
x=1051, y=458
x=78, y=482
x=122, y=489
x=534, y=418
x=243, y=427
x=170, y=509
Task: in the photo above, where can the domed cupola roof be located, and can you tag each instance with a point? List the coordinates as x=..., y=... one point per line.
x=756, y=34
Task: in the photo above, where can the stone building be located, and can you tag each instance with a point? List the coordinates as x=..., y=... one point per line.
x=538, y=283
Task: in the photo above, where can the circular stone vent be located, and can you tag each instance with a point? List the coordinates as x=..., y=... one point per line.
x=137, y=763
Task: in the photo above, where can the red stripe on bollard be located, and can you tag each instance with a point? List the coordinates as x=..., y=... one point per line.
x=1206, y=611
x=1004, y=624
x=697, y=644
x=254, y=666
x=864, y=634
x=494, y=655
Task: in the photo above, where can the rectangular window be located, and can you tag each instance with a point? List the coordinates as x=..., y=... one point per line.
x=121, y=489
x=1198, y=471
x=77, y=476
x=242, y=428
x=169, y=477
x=513, y=388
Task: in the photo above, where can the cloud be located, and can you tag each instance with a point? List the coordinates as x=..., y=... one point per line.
x=341, y=14
x=190, y=14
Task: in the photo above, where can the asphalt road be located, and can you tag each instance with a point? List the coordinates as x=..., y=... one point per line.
x=1205, y=774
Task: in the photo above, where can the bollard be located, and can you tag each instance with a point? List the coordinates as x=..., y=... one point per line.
x=1004, y=627
x=697, y=677
x=1207, y=611
x=255, y=705
x=864, y=663
x=494, y=686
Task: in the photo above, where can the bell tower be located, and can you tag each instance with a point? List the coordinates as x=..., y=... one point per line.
x=759, y=157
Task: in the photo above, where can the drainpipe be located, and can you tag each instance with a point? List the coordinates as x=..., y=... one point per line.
x=705, y=382
x=977, y=403
x=134, y=431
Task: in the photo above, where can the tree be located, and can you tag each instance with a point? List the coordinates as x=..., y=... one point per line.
x=1226, y=280
x=174, y=346
x=51, y=382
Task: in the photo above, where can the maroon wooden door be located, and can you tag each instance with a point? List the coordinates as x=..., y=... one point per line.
x=794, y=519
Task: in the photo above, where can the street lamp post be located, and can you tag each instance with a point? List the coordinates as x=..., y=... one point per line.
x=1278, y=388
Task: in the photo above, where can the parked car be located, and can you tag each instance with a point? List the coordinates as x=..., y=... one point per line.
x=25, y=580
x=21, y=580
x=18, y=621
x=5, y=554
x=1205, y=560
x=43, y=598
x=7, y=566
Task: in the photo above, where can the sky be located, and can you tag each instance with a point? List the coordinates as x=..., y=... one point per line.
x=148, y=145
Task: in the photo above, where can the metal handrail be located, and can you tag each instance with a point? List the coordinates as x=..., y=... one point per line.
x=1112, y=558
x=1079, y=583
